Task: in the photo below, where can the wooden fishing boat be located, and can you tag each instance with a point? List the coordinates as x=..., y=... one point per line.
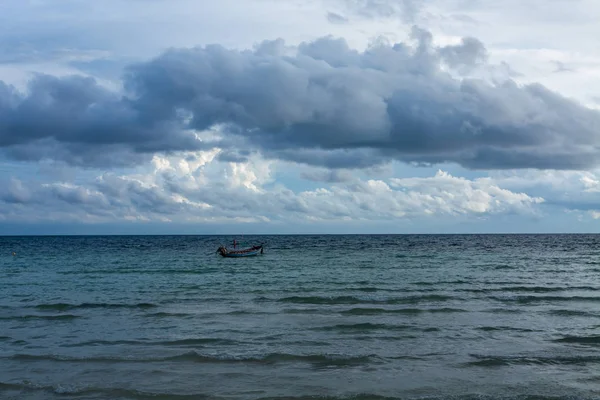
x=251, y=251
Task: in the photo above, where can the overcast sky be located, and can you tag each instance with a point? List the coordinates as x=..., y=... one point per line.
x=289, y=116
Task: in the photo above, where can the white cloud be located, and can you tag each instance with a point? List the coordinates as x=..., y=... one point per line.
x=591, y=185
x=459, y=195
x=198, y=187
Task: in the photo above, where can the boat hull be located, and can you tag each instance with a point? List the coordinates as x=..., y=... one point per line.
x=249, y=254
x=254, y=251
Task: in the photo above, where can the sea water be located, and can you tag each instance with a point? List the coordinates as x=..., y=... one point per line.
x=357, y=316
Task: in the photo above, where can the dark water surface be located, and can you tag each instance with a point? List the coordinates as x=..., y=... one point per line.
x=473, y=316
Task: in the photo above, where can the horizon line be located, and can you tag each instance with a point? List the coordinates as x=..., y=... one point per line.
x=296, y=234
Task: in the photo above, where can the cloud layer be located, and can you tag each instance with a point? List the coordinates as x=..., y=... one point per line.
x=197, y=187
x=321, y=103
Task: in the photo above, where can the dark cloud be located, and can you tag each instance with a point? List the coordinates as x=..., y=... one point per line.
x=335, y=18
x=62, y=202
x=333, y=159
x=103, y=68
x=465, y=19
x=468, y=54
x=508, y=70
x=406, y=10
x=234, y=156
x=334, y=106
x=77, y=120
x=14, y=192
x=329, y=176
x=561, y=67
x=326, y=105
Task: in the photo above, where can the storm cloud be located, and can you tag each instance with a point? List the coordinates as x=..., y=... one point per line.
x=406, y=10
x=322, y=103
x=76, y=120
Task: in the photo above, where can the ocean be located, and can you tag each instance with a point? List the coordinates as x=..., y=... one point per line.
x=315, y=316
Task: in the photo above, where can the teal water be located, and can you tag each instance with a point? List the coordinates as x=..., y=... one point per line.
x=408, y=316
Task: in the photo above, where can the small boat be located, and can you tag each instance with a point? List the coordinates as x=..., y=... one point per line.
x=251, y=251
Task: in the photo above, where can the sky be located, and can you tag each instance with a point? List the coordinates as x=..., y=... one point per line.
x=289, y=116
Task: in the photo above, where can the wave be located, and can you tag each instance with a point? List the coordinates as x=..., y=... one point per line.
x=111, y=393
x=504, y=328
x=499, y=361
x=369, y=289
x=355, y=300
x=179, y=342
x=197, y=341
x=579, y=340
x=104, y=343
x=319, y=343
x=198, y=271
x=348, y=288
x=245, y=312
x=303, y=311
x=543, y=289
x=534, y=299
x=529, y=289
x=503, y=311
x=572, y=313
x=67, y=306
x=60, y=317
x=273, y=358
x=341, y=283
x=505, y=266
x=368, y=396
x=163, y=314
x=378, y=311
x=133, y=394
x=436, y=283
x=363, y=327
x=125, y=271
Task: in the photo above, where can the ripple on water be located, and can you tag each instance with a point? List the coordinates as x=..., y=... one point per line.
x=345, y=317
